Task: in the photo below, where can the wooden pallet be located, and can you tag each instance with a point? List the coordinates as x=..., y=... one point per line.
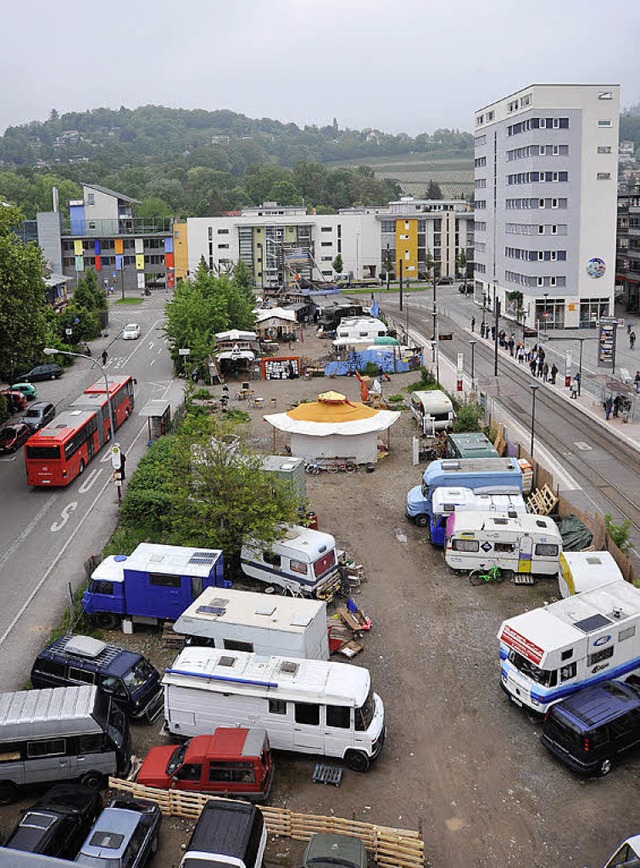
x=542, y=501
x=171, y=639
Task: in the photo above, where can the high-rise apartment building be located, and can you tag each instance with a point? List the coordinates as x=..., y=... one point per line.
x=545, y=204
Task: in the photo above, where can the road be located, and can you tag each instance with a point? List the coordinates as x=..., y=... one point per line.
x=46, y=535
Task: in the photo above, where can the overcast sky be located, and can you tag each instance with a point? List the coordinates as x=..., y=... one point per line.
x=409, y=66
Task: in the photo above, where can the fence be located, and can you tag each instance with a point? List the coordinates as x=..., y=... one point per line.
x=391, y=848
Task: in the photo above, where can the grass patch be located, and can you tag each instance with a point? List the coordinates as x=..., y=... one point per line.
x=129, y=301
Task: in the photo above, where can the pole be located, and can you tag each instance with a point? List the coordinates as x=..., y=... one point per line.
x=51, y=351
x=122, y=277
x=408, y=342
x=582, y=340
x=496, y=305
x=534, y=389
x=546, y=313
x=473, y=362
x=388, y=269
x=400, y=284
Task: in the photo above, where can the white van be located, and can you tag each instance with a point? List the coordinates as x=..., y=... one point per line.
x=310, y=706
x=521, y=544
x=257, y=623
x=304, y=561
x=550, y=652
x=627, y=855
x=581, y=571
x=432, y=410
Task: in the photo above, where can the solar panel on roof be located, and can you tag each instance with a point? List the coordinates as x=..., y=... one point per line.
x=203, y=558
x=594, y=622
x=211, y=610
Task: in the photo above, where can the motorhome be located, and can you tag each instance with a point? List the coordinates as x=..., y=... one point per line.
x=355, y=331
x=470, y=445
x=59, y=734
x=581, y=571
x=554, y=650
x=448, y=500
x=432, y=410
x=309, y=706
x=517, y=543
x=483, y=475
x=304, y=561
x=257, y=623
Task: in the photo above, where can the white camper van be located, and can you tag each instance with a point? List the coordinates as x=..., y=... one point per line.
x=582, y=571
x=432, y=410
x=303, y=561
x=310, y=706
x=256, y=623
x=521, y=544
x=550, y=652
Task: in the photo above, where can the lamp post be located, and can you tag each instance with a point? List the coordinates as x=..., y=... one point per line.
x=496, y=310
x=582, y=340
x=546, y=314
x=51, y=351
x=473, y=362
x=534, y=388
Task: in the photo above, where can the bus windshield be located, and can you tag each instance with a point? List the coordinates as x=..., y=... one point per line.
x=545, y=677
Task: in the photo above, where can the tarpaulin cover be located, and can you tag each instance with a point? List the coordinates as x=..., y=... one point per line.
x=576, y=536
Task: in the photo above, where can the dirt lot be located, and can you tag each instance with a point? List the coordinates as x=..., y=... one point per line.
x=460, y=762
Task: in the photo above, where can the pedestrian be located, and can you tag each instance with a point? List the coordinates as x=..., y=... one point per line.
x=617, y=401
x=540, y=365
x=473, y=324
x=632, y=340
x=629, y=327
x=574, y=388
x=541, y=353
x=493, y=333
x=511, y=345
x=532, y=367
x=554, y=373
x=545, y=373
x=104, y=357
x=636, y=381
x=520, y=353
x=608, y=406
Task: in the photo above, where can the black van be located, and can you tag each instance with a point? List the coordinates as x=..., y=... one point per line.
x=590, y=729
x=232, y=832
x=126, y=676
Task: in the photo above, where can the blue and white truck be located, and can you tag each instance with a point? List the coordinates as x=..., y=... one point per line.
x=482, y=475
x=156, y=583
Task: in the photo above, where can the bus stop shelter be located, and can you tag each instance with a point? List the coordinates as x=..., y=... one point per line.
x=158, y=415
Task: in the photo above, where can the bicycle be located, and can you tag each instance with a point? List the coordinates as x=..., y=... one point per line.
x=482, y=576
x=341, y=464
x=312, y=468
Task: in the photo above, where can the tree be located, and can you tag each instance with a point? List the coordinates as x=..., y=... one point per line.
x=461, y=264
x=433, y=191
x=88, y=294
x=337, y=264
x=22, y=298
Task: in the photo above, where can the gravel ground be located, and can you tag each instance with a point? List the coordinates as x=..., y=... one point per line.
x=460, y=762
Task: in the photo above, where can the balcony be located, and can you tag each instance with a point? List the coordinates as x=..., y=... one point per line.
x=114, y=228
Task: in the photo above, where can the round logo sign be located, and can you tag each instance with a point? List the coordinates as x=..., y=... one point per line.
x=596, y=267
x=602, y=640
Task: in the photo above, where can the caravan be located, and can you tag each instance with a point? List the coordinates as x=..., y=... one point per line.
x=432, y=410
x=309, y=706
x=518, y=543
x=553, y=651
x=582, y=571
x=445, y=501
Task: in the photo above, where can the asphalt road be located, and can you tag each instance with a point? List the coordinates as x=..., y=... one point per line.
x=46, y=535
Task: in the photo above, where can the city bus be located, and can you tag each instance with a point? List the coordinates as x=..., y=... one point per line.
x=56, y=454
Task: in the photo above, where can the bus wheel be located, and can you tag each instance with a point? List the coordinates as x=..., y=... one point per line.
x=81, y=470
x=107, y=621
x=357, y=761
x=8, y=792
x=93, y=780
x=422, y=520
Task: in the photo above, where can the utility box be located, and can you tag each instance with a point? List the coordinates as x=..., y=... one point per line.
x=291, y=470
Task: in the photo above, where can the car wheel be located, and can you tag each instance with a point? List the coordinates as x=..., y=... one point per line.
x=107, y=621
x=605, y=767
x=422, y=520
x=8, y=792
x=357, y=761
x=53, y=376
x=93, y=780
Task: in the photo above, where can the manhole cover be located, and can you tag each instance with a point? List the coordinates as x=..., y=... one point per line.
x=584, y=446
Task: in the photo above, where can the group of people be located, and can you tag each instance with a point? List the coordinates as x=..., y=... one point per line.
x=616, y=405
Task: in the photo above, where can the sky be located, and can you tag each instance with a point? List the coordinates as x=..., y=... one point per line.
x=412, y=66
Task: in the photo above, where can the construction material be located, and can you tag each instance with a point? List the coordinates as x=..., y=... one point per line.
x=542, y=501
x=324, y=774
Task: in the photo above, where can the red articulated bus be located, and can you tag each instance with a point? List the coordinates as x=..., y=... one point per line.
x=56, y=454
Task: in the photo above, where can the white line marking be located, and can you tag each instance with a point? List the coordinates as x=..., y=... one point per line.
x=151, y=362
x=25, y=533
x=65, y=513
x=91, y=478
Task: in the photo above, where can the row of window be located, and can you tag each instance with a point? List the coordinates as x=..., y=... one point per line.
x=538, y=124
x=110, y=261
x=480, y=205
x=544, y=550
x=109, y=246
x=533, y=177
x=480, y=140
x=480, y=268
x=480, y=183
x=535, y=228
x=535, y=255
x=538, y=151
x=523, y=102
x=528, y=280
x=534, y=203
x=479, y=162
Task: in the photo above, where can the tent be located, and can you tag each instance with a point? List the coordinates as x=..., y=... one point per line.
x=334, y=427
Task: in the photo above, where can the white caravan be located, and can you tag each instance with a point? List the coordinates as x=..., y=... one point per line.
x=256, y=623
x=432, y=410
x=521, y=544
x=550, y=652
x=582, y=571
x=310, y=706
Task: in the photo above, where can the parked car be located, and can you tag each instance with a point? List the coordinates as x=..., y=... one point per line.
x=50, y=371
x=227, y=833
x=446, y=280
x=16, y=400
x=466, y=288
x=39, y=415
x=28, y=390
x=131, y=332
x=590, y=729
x=12, y=437
x=125, y=835
x=58, y=823
x=325, y=850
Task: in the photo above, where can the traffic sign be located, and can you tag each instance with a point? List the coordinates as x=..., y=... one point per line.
x=184, y=352
x=116, y=457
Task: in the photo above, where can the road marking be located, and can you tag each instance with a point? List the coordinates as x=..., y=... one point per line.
x=69, y=508
x=25, y=533
x=151, y=362
x=91, y=477
x=584, y=446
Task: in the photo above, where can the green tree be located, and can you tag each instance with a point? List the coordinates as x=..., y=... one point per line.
x=461, y=264
x=338, y=264
x=88, y=294
x=433, y=191
x=22, y=298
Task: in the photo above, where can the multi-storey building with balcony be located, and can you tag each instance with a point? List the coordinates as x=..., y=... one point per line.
x=628, y=254
x=545, y=204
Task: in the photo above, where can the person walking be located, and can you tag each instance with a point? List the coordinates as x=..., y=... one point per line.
x=636, y=382
x=104, y=357
x=574, y=389
x=545, y=373
x=617, y=401
x=608, y=406
x=554, y=373
x=540, y=365
x=532, y=367
x=632, y=340
x=473, y=324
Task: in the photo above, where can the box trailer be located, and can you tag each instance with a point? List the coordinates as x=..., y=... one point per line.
x=257, y=623
x=581, y=571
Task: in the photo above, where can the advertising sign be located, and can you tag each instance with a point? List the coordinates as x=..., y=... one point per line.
x=282, y=368
x=522, y=645
x=607, y=342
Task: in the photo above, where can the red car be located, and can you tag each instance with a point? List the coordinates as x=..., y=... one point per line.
x=16, y=400
x=12, y=437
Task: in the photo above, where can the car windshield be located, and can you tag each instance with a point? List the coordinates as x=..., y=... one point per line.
x=135, y=678
x=545, y=677
x=177, y=758
x=7, y=433
x=97, y=861
x=33, y=413
x=364, y=714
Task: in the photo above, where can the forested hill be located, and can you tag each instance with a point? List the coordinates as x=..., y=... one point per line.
x=221, y=140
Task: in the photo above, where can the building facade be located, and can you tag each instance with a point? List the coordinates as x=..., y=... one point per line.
x=628, y=254
x=545, y=204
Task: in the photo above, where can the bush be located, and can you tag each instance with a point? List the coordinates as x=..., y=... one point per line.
x=426, y=382
x=394, y=399
x=201, y=395
x=370, y=369
x=147, y=503
x=619, y=533
x=4, y=409
x=468, y=417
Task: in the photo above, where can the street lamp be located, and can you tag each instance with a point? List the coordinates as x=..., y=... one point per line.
x=51, y=351
x=546, y=296
x=496, y=310
x=473, y=361
x=534, y=388
x=582, y=340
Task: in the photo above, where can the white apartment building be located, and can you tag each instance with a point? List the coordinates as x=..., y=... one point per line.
x=545, y=204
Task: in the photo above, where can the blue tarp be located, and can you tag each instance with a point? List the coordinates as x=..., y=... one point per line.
x=357, y=361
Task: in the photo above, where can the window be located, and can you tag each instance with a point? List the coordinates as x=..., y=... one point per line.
x=605, y=94
x=52, y=747
x=232, y=773
x=603, y=176
x=554, y=203
x=80, y=675
x=605, y=123
x=235, y=645
x=277, y=706
x=91, y=199
x=307, y=713
x=162, y=580
x=298, y=567
x=465, y=545
x=51, y=667
x=271, y=558
x=326, y=244
x=339, y=716
x=190, y=772
x=223, y=246
x=223, y=231
x=90, y=744
x=326, y=228
x=505, y=548
x=569, y=671
x=599, y=656
x=604, y=149
x=626, y=634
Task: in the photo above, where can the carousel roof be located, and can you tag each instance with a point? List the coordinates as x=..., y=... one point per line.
x=333, y=413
